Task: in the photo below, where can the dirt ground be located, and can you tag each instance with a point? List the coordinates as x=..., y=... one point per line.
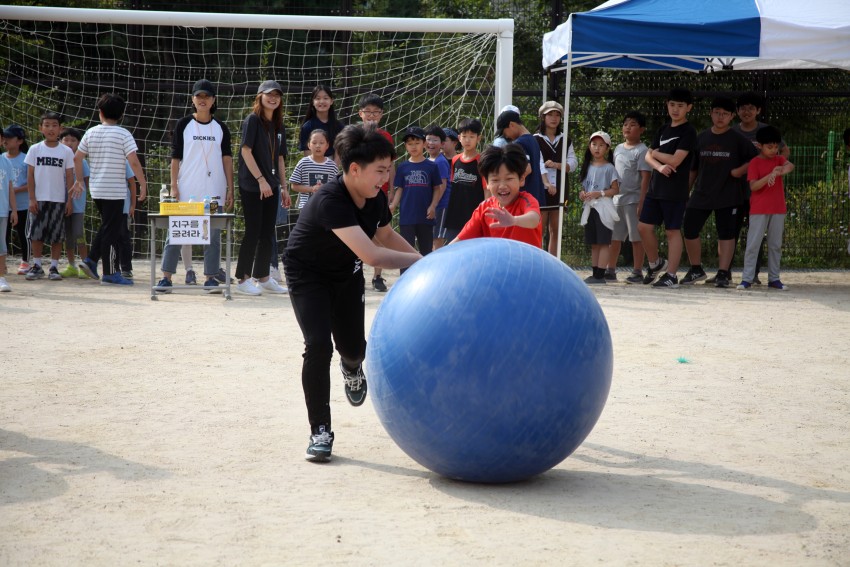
x=172, y=432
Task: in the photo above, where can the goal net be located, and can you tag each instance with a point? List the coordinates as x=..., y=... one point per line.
x=62, y=59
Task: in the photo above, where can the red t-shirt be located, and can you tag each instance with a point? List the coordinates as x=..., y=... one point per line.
x=479, y=225
x=770, y=200
x=386, y=186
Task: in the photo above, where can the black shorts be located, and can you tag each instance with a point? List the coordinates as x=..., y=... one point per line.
x=48, y=225
x=660, y=211
x=725, y=219
x=595, y=232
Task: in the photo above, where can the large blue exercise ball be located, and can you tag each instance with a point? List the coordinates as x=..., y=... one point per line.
x=489, y=361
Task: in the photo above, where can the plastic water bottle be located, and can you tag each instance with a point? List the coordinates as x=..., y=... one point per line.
x=207, y=205
x=163, y=194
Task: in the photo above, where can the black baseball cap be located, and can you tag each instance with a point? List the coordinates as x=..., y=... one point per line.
x=414, y=132
x=203, y=86
x=268, y=86
x=450, y=133
x=14, y=131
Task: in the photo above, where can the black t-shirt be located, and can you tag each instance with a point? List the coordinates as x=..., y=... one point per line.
x=715, y=158
x=316, y=124
x=467, y=192
x=668, y=140
x=314, y=252
x=267, y=145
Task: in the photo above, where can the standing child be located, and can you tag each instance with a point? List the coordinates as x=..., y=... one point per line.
x=634, y=173
x=371, y=111
x=418, y=189
x=767, y=207
x=320, y=115
x=509, y=213
x=313, y=171
x=75, y=239
x=49, y=166
x=469, y=187
x=435, y=138
x=513, y=129
x=670, y=157
x=8, y=214
x=344, y=225
x=599, y=184
x=15, y=140
x=108, y=146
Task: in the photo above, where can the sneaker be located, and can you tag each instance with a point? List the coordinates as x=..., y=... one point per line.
x=756, y=280
x=221, y=276
x=128, y=274
x=379, y=284
x=190, y=278
x=164, y=286
x=272, y=286
x=53, y=274
x=777, y=284
x=23, y=268
x=355, y=385
x=667, y=281
x=89, y=268
x=274, y=274
x=321, y=445
x=693, y=276
x=652, y=272
x=636, y=277
x=744, y=285
x=4, y=285
x=115, y=279
x=721, y=280
x=611, y=275
x=211, y=285
x=70, y=272
x=590, y=280
x=35, y=273
x=248, y=288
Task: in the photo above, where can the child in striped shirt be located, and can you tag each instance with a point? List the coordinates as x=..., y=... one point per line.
x=315, y=170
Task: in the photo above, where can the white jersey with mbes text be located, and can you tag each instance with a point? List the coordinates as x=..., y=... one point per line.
x=200, y=147
x=49, y=167
x=107, y=147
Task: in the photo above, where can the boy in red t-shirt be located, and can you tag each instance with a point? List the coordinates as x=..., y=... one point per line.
x=767, y=207
x=509, y=213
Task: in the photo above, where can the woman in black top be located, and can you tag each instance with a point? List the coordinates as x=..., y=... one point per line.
x=343, y=225
x=261, y=167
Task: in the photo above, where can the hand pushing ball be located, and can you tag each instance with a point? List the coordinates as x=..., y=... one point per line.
x=489, y=361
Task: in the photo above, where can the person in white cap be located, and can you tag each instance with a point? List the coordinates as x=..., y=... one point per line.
x=599, y=184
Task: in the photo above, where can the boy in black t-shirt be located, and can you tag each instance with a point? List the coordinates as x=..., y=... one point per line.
x=343, y=225
x=670, y=158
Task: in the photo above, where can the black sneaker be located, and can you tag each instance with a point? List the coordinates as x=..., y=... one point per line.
x=721, y=280
x=321, y=445
x=591, y=280
x=191, y=278
x=667, y=281
x=379, y=284
x=636, y=277
x=53, y=274
x=756, y=280
x=693, y=276
x=35, y=273
x=611, y=275
x=355, y=385
x=652, y=272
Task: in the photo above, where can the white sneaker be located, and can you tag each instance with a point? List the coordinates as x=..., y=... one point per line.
x=274, y=274
x=4, y=286
x=248, y=288
x=272, y=286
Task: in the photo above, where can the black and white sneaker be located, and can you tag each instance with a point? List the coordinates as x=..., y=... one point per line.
x=667, y=281
x=321, y=445
x=35, y=273
x=653, y=271
x=355, y=384
x=693, y=276
x=53, y=274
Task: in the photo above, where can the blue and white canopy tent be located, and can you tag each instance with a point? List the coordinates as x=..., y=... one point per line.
x=700, y=35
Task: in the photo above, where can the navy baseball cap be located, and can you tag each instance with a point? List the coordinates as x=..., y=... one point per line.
x=450, y=134
x=414, y=132
x=14, y=131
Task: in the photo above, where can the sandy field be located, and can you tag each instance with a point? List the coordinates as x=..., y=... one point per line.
x=172, y=432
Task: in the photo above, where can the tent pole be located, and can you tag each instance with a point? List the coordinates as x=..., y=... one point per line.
x=565, y=146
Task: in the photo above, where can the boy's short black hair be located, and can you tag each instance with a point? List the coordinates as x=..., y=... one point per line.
x=50, y=115
x=769, y=135
x=371, y=99
x=361, y=144
x=680, y=95
x=752, y=98
x=511, y=156
x=111, y=105
x=470, y=125
x=636, y=116
x=847, y=137
x=73, y=132
x=723, y=102
x=434, y=130
x=505, y=118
